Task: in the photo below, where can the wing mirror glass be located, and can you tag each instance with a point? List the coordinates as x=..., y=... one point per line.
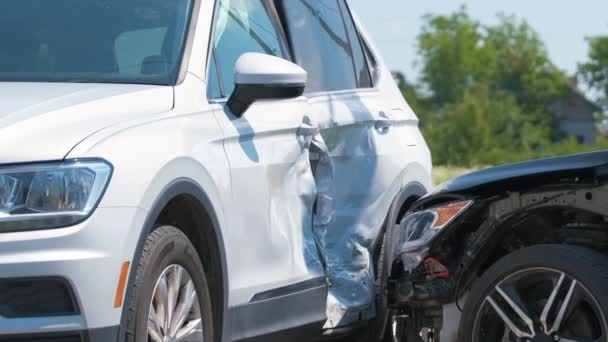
x=261, y=77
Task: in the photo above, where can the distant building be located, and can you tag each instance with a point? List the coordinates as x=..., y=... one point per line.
x=576, y=116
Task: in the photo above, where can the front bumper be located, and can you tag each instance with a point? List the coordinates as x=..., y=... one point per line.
x=93, y=335
x=88, y=257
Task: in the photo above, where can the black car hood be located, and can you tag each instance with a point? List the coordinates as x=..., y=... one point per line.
x=529, y=174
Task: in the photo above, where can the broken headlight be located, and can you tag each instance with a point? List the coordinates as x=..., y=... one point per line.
x=418, y=229
x=50, y=195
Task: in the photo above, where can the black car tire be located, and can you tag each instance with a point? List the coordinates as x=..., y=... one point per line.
x=164, y=247
x=586, y=267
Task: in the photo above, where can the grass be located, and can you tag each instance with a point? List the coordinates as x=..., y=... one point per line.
x=442, y=174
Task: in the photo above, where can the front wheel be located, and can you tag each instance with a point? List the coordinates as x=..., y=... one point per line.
x=170, y=299
x=540, y=294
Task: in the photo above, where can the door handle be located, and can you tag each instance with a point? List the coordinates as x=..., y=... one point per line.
x=308, y=129
x=382, y=126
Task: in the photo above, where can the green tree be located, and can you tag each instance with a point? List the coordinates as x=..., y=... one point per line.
x=595, y=71
x=452, y=56
x=521, y=68
x=489, y=90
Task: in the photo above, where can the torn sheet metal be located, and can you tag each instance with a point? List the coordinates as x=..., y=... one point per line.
x=290, y=215
x=345, y=225
x=343, y=247
x=348, y=215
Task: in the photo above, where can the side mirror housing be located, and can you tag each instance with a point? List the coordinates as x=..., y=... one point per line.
x=260, y=77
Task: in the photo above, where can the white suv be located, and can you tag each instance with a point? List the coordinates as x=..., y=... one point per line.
x=189, y=170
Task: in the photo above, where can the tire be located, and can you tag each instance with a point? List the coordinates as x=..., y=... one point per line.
x=529, y=278
x=168, y=254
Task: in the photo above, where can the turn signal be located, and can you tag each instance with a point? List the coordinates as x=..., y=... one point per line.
x=122, y=283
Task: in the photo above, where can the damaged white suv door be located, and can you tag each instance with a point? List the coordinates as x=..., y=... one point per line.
x=371, y=136
x=313, y=177
x=268, y=147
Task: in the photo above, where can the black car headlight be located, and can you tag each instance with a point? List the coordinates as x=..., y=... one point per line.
x=50, y=195
x=418, y=229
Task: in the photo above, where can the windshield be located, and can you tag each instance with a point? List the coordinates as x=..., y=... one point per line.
x=105, y=41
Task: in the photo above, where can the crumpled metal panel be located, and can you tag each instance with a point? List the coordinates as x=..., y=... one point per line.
x=342, y=246
x=310, y=191
x=344, y=234
x=355, y=170
x=291, y=203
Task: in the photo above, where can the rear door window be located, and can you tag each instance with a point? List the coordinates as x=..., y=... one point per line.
x=362, y=71
x=320, y=43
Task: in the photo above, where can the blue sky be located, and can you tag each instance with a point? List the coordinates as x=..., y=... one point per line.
x=562, y=24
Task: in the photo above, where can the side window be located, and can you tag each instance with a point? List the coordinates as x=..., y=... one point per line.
x=214, y=87
x=362, y=71
x=243, y=26
x=372, y=63
x=320, y=43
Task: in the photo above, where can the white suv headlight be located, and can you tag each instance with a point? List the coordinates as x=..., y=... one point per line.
x=50, y=195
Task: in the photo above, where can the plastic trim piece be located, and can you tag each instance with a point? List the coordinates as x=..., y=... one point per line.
x=289, y=289
x=296, y=316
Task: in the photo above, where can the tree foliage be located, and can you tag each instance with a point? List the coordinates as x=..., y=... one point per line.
x=486, y=92
x=595, y=71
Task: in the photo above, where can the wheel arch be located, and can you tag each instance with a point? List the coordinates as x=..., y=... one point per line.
x=188, y=189
x=406, y=197
x=548, y=225
x=404, y=200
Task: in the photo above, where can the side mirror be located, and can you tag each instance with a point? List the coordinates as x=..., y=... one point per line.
x=259, y=77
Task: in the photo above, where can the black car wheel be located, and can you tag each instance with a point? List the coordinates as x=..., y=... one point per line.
x=540, y=294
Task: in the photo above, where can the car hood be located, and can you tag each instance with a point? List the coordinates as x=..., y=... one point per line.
x=529, y=175
x=44, y=121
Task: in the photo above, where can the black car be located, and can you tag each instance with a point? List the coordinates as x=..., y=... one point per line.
x=521, y=250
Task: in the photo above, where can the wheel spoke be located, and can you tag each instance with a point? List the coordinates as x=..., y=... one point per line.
x=561, y=311
x=174, y=313
x=155, y=336
x=508, y=321
x=516, y=305
x=154, y=325
x=187, y=299
x=545, y=314
x=193, y=331
x=160, y=299
x=174, y=283
x=154, y=330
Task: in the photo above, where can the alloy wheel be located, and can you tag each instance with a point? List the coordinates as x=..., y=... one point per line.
x=539, y=305
x=175, y=314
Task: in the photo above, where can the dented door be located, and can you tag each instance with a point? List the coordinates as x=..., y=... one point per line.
x=273, y=194
x=368, y=151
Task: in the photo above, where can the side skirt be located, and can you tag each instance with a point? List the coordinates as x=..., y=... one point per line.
x=292, y=313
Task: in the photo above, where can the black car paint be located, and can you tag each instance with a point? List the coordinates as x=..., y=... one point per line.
x=528, y=174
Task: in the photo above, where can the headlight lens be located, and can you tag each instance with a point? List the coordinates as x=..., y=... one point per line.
x=418, y=229
x=44, y=196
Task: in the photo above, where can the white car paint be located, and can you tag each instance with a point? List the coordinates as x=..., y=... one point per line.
x=154, y=135
x=56, y=117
